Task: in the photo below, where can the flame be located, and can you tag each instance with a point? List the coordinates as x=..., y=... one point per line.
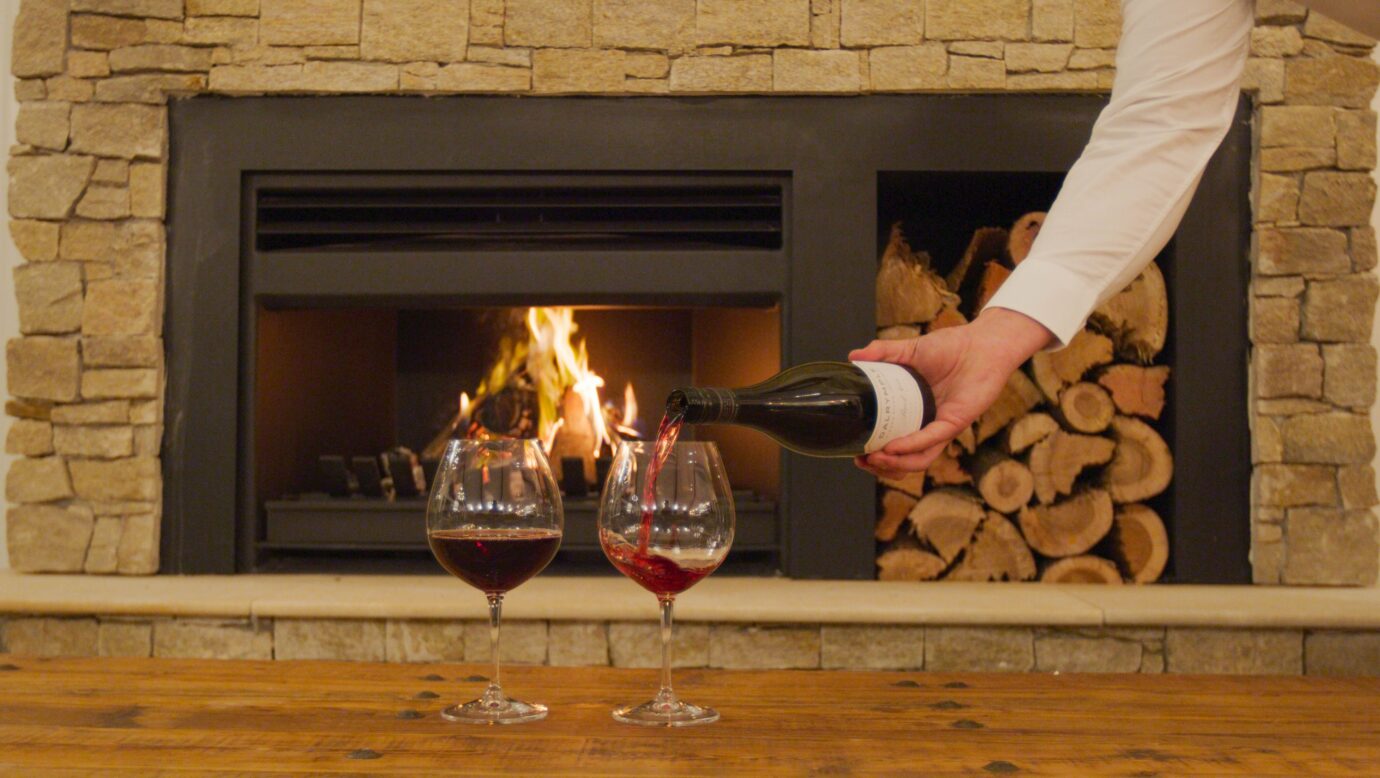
x=464, y=406
x=629, y=406
x=556, y=365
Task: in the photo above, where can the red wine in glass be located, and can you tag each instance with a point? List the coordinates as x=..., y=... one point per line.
x=494, y=560
x=666, y=537
x=494, y=520
x=655, y=573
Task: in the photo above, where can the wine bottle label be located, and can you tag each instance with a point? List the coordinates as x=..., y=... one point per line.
x=900, y=405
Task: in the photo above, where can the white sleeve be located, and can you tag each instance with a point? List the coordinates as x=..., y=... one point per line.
x=1178, y=81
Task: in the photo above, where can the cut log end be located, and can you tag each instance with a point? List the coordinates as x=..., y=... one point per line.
x=908, y=292
x=949, y=317
x=945, y=520
x=994, y=274
x=896, y=506
x=1142, y=466
x=1029, y=430
x=909, y=564
x=912, y=484
x=1136, y=391
x=1070, y=527
x=1086, y=407
x=1058, y=460
x=947, y=470
x=1137, y=318
x=1016, y=399
x=997, y=553
x=1081, y=569
x=1139, y=543
x=1005, y=484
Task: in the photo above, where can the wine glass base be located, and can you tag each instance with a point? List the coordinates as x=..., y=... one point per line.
x=657, y=713
x=504, y=711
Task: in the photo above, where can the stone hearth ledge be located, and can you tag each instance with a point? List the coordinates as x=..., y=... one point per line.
x=727, y=599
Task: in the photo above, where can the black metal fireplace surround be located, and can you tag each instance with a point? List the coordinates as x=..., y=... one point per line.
x=782, y=201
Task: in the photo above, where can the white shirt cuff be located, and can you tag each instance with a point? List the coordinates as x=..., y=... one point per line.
x=1051, y=294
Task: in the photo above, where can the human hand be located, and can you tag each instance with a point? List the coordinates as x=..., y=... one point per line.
x=966, y=366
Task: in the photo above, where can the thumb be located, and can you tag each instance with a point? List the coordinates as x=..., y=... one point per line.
x=899, y=351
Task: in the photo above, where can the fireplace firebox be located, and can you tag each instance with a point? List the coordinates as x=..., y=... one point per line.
x=331, y=261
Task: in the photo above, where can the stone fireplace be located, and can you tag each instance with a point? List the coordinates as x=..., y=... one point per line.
x=88, y=200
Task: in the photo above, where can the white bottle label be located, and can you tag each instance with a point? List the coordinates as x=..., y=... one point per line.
x=900, y=405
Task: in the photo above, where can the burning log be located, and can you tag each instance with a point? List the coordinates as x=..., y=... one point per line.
x=577, y=436
x=1068, y=528
x=1081, y=569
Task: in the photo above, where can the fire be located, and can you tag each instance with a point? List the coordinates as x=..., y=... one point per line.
x=627, y=427
x=541, y=384
x=556, y=366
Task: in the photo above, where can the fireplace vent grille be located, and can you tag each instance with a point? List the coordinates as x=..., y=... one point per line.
x=584, y=214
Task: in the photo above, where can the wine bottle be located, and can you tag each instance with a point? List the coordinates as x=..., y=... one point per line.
x=823, y=409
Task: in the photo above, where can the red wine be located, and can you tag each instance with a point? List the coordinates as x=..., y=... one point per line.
x=666, y=437
x=825, y=409
x=657, y=574
x=494, y=560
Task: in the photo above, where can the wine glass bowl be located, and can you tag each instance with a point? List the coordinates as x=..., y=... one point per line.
x=494, y=520
x=666, y=538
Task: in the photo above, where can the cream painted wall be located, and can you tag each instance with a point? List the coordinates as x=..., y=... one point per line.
x=9, y=257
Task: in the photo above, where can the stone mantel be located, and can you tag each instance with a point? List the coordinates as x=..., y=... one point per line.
x=715, y=600
x=87, y=199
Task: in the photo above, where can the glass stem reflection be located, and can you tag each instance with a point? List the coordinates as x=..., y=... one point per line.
x=495, y=690
x=666, y=696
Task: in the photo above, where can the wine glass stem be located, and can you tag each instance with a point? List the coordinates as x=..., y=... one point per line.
x=495, y=616
x=666, y=695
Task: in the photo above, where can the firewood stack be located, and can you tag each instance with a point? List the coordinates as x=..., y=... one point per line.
x=1050, y=482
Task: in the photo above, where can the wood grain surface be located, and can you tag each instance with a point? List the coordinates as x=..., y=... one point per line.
x=163, y=717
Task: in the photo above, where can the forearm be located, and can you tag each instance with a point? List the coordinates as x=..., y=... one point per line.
x=1179, y=68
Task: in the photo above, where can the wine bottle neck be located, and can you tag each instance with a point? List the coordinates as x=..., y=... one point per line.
x=705, y=405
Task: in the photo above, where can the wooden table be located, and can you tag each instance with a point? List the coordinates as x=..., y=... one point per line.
x=157, y=716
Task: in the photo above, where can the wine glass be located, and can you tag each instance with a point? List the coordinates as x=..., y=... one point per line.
x=666, y=538
x=494, y=520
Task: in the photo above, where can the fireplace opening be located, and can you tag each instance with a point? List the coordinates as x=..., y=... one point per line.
x=684, y=212
x=344, y=395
